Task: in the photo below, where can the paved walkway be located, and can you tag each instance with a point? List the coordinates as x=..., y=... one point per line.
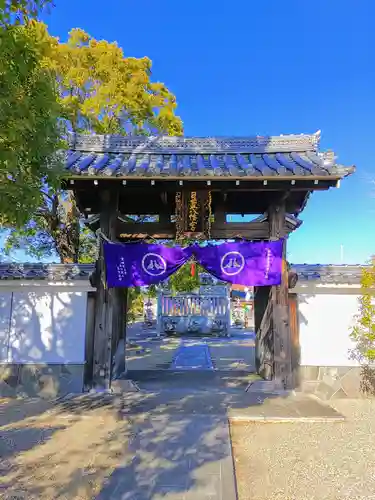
x=146, y=351
x=175, y=458
x=192, y=355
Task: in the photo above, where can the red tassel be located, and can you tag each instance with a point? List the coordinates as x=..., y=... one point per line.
x=192, y=269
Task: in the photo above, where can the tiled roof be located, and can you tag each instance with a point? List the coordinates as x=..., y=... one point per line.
x=335, y=274
x=53, y=272
x=267, y=157
x=329, y=273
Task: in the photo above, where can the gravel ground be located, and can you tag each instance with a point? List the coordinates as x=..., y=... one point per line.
x=300, y=461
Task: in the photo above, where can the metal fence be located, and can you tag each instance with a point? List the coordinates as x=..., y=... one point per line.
x=198, y=313
x=193, y=305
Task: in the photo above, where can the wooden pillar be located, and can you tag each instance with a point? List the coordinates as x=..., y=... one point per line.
x=294, y=338
x=263, y=332
x=279, y=297
x=118, y=298
x=164, y=217
x=108, y=309
x=220, y=215
x=89, y=339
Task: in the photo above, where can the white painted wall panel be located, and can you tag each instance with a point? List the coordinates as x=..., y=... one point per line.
x=5, y=306
x=326, y=321
x=48, y=327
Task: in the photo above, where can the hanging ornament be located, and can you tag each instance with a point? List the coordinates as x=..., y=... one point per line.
x=209, y=214
x=178, y=216
x=192, y=269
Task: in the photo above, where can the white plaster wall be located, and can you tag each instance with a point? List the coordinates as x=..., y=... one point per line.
x=43, y=326
x=326, y=320
x=5, y=308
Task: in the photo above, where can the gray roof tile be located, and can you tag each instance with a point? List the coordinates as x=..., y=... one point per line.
x=335, y=274
x=292, y=155
x=53, y=272
x=329, y=273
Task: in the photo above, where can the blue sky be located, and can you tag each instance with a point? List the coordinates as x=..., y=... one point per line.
x=270, y=67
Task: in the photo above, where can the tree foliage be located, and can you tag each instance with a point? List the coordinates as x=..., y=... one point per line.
x=30, y=134
x=184, y=280
x=363, y=333
x=17, y=11
x=134, y=303
x=100, y=91
x=104, y=92
x=56, y=228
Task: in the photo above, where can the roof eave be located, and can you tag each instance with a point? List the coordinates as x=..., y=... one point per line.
x=204, y=178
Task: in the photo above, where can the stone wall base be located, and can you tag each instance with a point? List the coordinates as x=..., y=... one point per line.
x=46, y=381
x=331, y=382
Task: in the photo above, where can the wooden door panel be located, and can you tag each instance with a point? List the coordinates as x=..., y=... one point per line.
x=294, y=336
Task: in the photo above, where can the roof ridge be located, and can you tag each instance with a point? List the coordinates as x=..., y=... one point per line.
x=181, y=145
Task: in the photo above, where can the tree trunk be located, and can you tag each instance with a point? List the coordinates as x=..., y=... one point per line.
x=65, y=228
x=67, y=248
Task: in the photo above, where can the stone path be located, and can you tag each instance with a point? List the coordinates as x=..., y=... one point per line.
x=175, y=458
x=192, y=355
x=181, y=455
x=147, y=352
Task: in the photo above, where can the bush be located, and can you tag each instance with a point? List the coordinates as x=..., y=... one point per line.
x=363, y=334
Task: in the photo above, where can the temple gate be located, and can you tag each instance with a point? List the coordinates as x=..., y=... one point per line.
x=189, y=186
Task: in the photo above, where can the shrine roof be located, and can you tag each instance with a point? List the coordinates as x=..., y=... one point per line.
x=105, y=156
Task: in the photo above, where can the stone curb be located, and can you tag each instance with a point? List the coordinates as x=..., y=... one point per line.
x=287, y=420
x=233, y=471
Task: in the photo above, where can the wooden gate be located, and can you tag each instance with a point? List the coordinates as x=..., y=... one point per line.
x=265, y=312
x=294, y=337
x=264, y=328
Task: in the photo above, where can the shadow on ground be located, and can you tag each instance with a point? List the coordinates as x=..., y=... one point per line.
x=170, y=440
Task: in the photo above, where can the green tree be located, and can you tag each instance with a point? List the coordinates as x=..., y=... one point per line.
x=29, y=128
x=363, y=334
x=134, y=303
x=101, y=91
x=17, y=11
x=184, y=280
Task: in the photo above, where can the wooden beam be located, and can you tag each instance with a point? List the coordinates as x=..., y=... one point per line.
x=246, y=230
x=279, y=294
x=143, y=230
x=166, y=230
x=157, y=231
x=144, y=236
x=256, y=231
